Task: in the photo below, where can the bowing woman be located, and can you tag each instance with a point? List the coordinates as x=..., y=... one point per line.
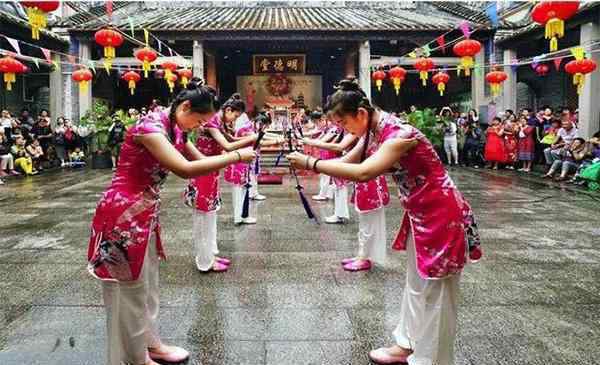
x=125, y=245
x=438, y=230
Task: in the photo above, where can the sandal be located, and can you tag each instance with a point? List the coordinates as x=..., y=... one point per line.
x=383, y=357
x=174, y=355
x=358, y=265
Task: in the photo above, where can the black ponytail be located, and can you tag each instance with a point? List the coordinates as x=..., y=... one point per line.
x=346, y=100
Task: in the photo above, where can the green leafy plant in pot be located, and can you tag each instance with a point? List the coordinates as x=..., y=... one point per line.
x=99, y=117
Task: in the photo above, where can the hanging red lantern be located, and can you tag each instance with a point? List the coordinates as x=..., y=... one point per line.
x=378, y=76
x=579, y=68
x=397, y=75
x=10, y=67
x=169, y=67
x=441, y=79
x=424, y=64
x=542, y=69
x=83, y=77
x=171, y=79
x=132, y=79
x=185, y=74
x=466, y=49
x=146, y=56
x=37, y=14
x=552, y=15
x=109, y=39
x=495, y=79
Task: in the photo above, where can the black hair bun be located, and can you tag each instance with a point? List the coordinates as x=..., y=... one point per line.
x=194, y=83
x=348, y=85
x=316, y=115
x=236, y=96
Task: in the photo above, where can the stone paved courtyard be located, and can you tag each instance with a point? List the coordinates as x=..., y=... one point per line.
x=534, y=299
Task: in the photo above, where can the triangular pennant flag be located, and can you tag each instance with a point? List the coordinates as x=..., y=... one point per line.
x=578, y=53
x=442, y=42
x=131, y=26
x=146, y=36
x=92, y=66
x=170, y=52
x=71, y=58
x=426, y=50
x=37, y=63
x=464, y=27
x=109, y=9
x=46, y=53
x=536, y=61
x=15, y=44
x=412, y=55
x=557, y=62
x=492, y=13
x=159, y=45
x=56, y=65
x=478, y=70
x=514, y=65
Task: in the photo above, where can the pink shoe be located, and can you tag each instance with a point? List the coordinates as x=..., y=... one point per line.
x=14, y=172
x=223, y=260
x=219, y=267
x=3, y=174
x=358, y=265
x=348, y=260
x=175, y=355
x=382, y=357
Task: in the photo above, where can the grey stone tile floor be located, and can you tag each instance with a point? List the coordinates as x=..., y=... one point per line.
x=533, y=299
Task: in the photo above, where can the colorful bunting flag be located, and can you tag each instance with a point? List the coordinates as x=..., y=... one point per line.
x=159, y=45
x=109, y=9
x=442, y=42
x=92, y=66
x=514, y=65
x=170, y=52
x=146, y=36
x=37, y=63
x=14, y=43
x=47, y=54
x=426, y=50
x=536, y=61
x=492, y=13
x=578, y=53
x=56, y=65
x=464, y=27
x=557, y=63
x=131, y=26
x=413, y=54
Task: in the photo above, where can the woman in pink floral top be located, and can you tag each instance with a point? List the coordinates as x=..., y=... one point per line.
x=125, y=245
x=438, y=229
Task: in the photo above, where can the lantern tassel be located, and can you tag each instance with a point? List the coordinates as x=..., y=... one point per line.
x=441, y=87
x=9, y=78
x=423, y=75
x=83, y=86
x=184, y=82
x=397, y=83
x=146, y=68
x=555, y=28
x=578, y=80
x=378, y=83
x=132, y=86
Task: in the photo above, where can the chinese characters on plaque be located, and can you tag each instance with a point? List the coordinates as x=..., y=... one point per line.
x=271, y=64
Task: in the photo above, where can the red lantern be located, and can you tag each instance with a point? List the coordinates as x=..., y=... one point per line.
x=466, y=49
x=109, y=39
x=10, y=67
x=496, y=78
x=441, y=79
x=37, y=14
x=424, y=65
x=146, y=56
x=169, y=67
x=552, y=14
x=132, y=79
x=397, y=74
x=186, y=75
x=378, y=76
x=83, y=77
x=542, y=69
x=579, y=68
x=171, y=79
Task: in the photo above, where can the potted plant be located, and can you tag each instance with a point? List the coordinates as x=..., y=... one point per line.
x=99, y=117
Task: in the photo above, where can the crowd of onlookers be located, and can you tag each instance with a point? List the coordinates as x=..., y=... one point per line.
x=518, y=141
x=29, y=145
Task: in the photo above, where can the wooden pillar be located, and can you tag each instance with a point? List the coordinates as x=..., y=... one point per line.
x=211, y=71
x=198, y=59
x=589, y=107
x=509, y=87
x=364, y=72
x=350, y=65
x=85, y=98
x=56, y=89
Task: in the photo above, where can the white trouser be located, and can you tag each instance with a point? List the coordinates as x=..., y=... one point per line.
x=132, y=313
x=254, y=182
x=204, y=233
x=7, y=161
x=341, y=202
x=372, y=235
x=324, y=186
x=428, y=315
x=451, y=148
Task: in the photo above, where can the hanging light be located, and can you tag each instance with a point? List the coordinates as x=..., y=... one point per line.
x=441, y=79
x=424, y=64
x=10, y=67
x=466, y=49
x=397, y=75
x=37, y=14
x=378, y=76
x=109, y=39
x=83, y=77
x=185, y=74
x=132, y=79
x=552, y=15
x=580, y=68
x=145, y=55
x=495, y=79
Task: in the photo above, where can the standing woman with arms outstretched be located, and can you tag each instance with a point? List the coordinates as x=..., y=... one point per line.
x=125, y=245
x=438, y=229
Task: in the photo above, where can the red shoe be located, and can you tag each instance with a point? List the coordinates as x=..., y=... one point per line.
x=382, y=356
x=358, y=265
x=174, y=355
x=223, y=260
